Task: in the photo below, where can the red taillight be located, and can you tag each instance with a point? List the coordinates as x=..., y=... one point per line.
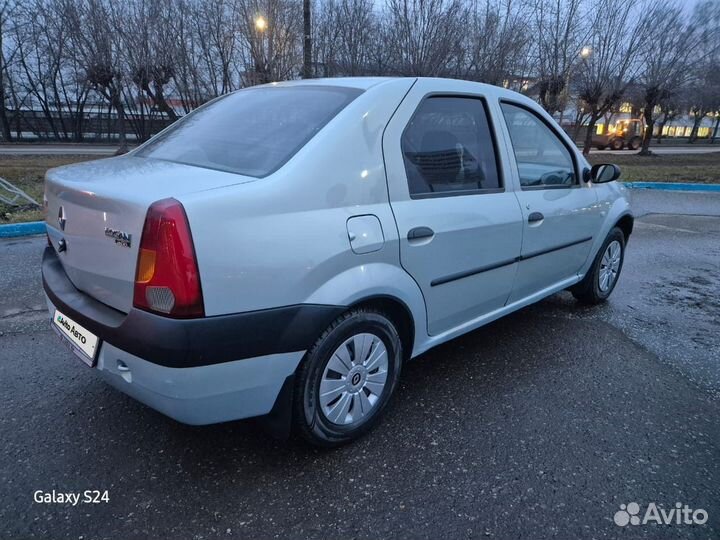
x=167, y=280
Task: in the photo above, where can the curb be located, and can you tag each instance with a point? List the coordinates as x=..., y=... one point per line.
x=673, y=186
x=22, y=229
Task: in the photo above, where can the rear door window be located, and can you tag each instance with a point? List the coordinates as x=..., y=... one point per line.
x=448, y=148
x=252, y=132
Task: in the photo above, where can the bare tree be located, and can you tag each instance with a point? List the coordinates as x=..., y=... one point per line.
x=217, y=31
x=149, y=50
x=325, y=38
x=704, y=88
x=606, y=66
x=97, y=46
x=424, y=36
x=274, y=48
x=356, y=30
x=497, y=45
x=50, y=75
x=147, y=61
x=666, y=60
x=669, y=109
x=560, y=36
x=6, y=11
x=187, y=72
x=704, y=95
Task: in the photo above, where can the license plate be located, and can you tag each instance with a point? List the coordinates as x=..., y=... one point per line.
x=82, y=341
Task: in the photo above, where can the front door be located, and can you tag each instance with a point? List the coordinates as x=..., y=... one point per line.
x=460, y=230
x=560, y=213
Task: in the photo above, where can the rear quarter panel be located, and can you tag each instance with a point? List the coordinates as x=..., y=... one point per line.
x=283, y=240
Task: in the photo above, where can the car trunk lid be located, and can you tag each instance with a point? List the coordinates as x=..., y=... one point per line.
x=96, y=211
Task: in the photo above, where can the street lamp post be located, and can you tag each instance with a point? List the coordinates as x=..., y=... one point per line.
x=585, y=53
x=262, y=67
x=307, y=40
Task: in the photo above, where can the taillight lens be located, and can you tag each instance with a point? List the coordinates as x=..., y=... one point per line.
x=167, y=280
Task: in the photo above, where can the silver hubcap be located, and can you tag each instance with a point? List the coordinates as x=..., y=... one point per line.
x=609, y=266
x=354, y=379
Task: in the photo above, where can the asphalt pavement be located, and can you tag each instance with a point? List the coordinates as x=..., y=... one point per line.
x=539, y=425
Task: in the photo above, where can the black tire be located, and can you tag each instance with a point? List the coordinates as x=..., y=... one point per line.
x=588, y=291
x=601, y=147
x=308, y=417
x=617, y=144
x=634, y=143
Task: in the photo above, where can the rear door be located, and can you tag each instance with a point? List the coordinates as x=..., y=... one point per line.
x=560, y=212
x=460, y=229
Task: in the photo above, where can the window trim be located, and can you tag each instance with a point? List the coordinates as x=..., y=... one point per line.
x=493, y=137
x=573, y=156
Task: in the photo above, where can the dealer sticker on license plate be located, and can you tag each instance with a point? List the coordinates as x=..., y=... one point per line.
x=81, y=339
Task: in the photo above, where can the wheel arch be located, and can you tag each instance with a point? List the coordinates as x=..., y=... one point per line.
x=382, y=286
x=625, y=224
x=399, y=314
x=278, y=422
x=619, y=214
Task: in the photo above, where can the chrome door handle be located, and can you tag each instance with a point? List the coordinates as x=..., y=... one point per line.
x=535, y=216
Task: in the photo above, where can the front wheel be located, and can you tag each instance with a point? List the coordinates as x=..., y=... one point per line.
x=347, y=378
x=602, y=276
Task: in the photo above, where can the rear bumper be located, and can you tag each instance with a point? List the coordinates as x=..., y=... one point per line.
x=200, y=395
x=185, y=343
x=197, y=371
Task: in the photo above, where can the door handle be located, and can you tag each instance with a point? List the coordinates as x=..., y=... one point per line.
x=418, y=233
x=535, y=216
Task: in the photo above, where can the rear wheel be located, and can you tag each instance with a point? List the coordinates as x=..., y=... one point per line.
x=347, y=378
x=616, y=144
x=602, y=276
x=634, y=143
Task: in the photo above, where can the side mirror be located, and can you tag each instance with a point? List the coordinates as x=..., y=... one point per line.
x=604, y=172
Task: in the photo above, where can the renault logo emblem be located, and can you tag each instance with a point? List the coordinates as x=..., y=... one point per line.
x=61, y=218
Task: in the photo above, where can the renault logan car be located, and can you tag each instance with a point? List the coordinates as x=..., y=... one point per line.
x=284, y=249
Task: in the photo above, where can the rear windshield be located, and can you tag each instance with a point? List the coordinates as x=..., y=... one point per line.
x=252, y=132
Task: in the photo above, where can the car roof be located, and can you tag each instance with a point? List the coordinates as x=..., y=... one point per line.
x=362, y=83
x=365, y=83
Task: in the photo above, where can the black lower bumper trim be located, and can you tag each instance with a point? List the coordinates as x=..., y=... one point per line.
x=181, y=343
